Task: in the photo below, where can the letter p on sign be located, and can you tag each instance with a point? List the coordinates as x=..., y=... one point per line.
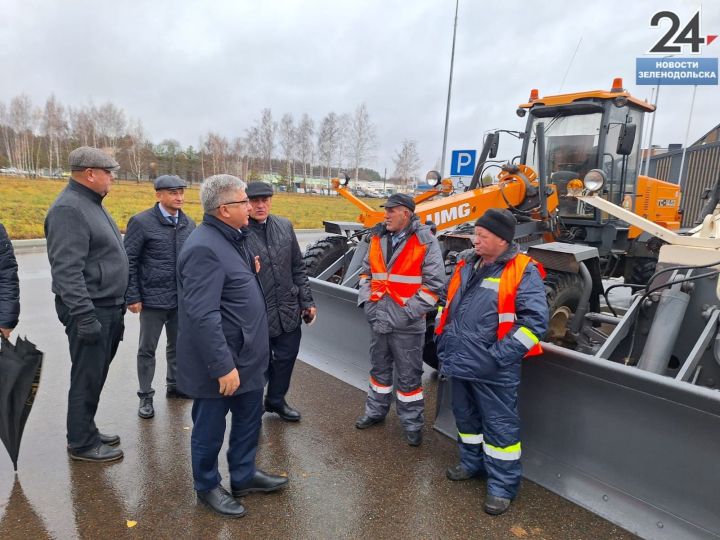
x=463, y=163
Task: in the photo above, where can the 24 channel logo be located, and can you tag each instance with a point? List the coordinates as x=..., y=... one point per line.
x=678, y=36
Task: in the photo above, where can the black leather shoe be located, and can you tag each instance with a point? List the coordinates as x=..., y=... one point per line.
x=366, y=421
x=413, y=438
x=220, y=501
x=174, y=393
x=100, y=453
x=458, y=472
x=262, y=482
x=146, y=409
x=496, y=505
x=284, y=411
x=110, y=440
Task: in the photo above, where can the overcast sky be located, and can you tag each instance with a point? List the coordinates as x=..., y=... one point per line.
x=188, y=67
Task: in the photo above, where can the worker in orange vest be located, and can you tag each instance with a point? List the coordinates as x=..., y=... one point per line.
x=495, y=315
x=401, y=280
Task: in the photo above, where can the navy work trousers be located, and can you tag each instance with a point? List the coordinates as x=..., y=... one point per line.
x=489, y=433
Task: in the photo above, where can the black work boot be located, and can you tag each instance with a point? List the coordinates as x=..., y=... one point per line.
x=457, y=473
x=366, y=421
x=496, y=505
x=146, y=409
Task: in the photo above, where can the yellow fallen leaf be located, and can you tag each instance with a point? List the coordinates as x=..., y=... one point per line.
x=518, y=531
x=186, y=428
x=131, y=523
x=283, y=474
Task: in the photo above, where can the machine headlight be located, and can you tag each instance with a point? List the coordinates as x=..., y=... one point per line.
x=433, y=178
x=594, y=180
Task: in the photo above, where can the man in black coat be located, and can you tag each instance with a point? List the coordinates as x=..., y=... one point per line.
x=153, y=241
x=287, y=293
x=9, y=285
x=223, y=352
x=89, y=271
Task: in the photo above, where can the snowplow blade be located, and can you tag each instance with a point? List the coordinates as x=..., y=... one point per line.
x=638, y=449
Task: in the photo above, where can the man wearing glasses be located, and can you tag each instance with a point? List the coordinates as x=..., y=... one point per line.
x=89, y=277
x=223, y=347
x=153, y=241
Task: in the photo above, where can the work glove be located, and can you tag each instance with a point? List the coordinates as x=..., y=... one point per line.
x=89, y=330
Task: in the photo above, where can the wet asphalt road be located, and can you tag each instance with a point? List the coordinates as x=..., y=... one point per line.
x=344, y=483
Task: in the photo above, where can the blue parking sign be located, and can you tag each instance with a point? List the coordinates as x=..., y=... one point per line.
x=463, y=163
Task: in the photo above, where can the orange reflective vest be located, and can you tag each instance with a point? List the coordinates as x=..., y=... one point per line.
x=507, y=292
x=405, y=280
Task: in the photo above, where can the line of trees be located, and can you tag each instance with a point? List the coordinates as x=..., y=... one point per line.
x=36, y=140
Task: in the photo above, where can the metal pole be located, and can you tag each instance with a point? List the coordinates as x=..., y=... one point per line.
x=447, y=108
x=687, y=134
x=652, y=128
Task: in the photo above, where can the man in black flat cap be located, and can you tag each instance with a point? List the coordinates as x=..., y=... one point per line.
x=153, y=241
x=89, y=270
x=287, y=293
x=401, y=280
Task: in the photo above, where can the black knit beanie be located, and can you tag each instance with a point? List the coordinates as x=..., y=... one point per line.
x=499, y=222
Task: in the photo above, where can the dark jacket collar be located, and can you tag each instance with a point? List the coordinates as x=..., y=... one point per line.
x=233, y=235
x=85, y=191
x=255, y=224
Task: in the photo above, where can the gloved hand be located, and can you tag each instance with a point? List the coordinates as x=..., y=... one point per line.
x=89, y=329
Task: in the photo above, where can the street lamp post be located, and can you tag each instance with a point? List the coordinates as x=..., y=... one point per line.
x=447, y=107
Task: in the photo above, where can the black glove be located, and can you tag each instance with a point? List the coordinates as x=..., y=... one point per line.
x=89, y=330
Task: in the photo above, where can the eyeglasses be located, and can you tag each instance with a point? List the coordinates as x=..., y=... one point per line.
x=244, y=201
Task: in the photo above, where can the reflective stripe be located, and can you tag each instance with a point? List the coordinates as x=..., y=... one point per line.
x=469, y=438
x=407, y=397
x=430, y=299
x=399, y=278
x=380, y=388
x=379, y=275
x=509, y=453
x=506, y=317
x=526, y=337
x=491, y=283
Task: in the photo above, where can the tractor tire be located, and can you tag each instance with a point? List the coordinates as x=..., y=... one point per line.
x=642, y=270
x=564, y=291
x=321, y=254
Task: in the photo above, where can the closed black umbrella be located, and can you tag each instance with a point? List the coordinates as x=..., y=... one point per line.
x=20, y=367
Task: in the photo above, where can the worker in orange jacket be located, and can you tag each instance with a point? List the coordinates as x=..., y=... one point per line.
x=401, y=280
x=495, y=315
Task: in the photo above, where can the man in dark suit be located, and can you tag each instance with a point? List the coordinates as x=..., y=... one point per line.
x=153, y=241
x=222, y=351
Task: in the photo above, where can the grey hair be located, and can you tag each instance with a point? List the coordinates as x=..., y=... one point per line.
x=215, y=190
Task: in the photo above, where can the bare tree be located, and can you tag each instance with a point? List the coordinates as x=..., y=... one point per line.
x=55, y=128
x=216, y=148
x=267, y=131
x=344, y=127
x=407, y=161
x=24, y=119
x=110, y=124
x=328, y=141
x=82, y=126
x=253, y=151
x=305, y=146
x=288, y=144
x=362, y=138
x=138, y=149
x=236, y=157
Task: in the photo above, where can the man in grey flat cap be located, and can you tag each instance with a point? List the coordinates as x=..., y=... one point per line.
x=153, y=241
x=287, y=293
x=89, y=277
